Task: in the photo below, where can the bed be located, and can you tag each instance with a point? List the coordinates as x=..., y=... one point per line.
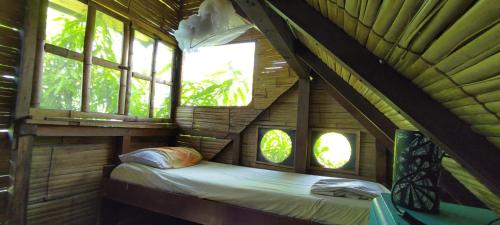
x=215, y=193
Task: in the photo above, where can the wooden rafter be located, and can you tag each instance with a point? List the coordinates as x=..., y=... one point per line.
x=275, y=30
x=456, y=137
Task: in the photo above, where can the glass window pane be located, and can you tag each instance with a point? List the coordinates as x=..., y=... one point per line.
x=332, y=150
x=139, y=98
x=276, y=146
x=164, y=60
x=108, y=38
x=218, y=75
x=162, y=101
x=143, y=54
x=104, y=88
x=61, y=83
x=66, y=21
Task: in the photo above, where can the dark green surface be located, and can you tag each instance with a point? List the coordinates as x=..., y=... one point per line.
x=383, y=213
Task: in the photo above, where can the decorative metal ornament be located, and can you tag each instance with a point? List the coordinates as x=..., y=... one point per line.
x=416, y=171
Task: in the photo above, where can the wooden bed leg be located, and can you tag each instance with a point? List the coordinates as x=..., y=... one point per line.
x=109, y=212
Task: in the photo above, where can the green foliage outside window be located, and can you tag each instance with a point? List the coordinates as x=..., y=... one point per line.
x=332, y=150
x=62, y=77
x=276, y=146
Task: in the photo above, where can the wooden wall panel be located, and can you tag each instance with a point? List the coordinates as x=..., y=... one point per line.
x=325, y=112
x=65, y=179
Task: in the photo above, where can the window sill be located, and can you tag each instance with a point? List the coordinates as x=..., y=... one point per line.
x=90, y=119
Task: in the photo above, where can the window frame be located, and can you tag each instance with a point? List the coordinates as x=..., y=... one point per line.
x=287, y=163
x=225, y=107
x=124, y=66
x=310, y=155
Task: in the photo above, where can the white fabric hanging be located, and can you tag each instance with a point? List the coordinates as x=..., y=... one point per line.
x=216, y=23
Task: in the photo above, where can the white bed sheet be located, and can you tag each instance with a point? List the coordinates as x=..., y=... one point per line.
x=277, y=192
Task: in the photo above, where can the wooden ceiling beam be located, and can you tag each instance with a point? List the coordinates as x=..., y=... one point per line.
x=472, y=150
x=370, y=117
x=275, y=30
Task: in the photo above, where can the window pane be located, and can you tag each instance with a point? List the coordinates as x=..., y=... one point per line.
x=61, y=83
x=108, y=38
x=332, y=150
x=164, y=60
x=143, y=54
x=276, y=146
x=139, y=98
x=66, y=21
x=218, y=75
x=105, y=85
x=162, y=101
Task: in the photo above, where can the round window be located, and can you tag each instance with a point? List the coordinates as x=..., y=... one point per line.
x=276, y=146
x=332, y=150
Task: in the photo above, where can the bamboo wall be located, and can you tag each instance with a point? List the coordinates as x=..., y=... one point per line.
x=66, y=174
x=325, y=112
x=10, y=47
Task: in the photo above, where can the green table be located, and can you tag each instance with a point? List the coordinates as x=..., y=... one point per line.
x=382, y=212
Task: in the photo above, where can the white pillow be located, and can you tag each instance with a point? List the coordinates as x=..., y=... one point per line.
x=147, y=157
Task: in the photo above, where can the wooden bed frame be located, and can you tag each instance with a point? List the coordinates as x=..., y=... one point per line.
x=182, y=206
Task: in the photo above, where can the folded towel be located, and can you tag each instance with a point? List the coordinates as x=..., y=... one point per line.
x=348, y=188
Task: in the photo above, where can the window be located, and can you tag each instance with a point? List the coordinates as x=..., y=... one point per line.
x=276, y=146
x=150, y=77
x=218, y=75
x=62, y=75
x=63, y=66
x=335, y=150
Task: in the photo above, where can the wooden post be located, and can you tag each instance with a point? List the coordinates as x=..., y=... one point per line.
x=381, y=162
x=28, y=53
x=124, y=69
x=18, y=198
x=153, y=80
x=302, y=133
x=87, y=58
x=236, y=137
x=176, y=82
x=40, y=53
x=130, y=66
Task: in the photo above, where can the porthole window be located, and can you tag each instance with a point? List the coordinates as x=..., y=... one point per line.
x=335, y=150
x=276, y=146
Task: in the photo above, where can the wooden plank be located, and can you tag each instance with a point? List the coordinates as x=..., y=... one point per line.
x=357, y=105
x=236, y=138
x=19, y=198
x=455, y=136
x=275, y=30
x=129, y=72
x=87, y=58
x=302, y=133
x=77, y=131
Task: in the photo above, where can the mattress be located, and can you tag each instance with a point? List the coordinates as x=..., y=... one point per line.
x=282, y=193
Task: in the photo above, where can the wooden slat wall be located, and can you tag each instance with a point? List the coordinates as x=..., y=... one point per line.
x=325, y=112
x=268, y=84
x=66, y=174
x=208, y=147
x=11, y=21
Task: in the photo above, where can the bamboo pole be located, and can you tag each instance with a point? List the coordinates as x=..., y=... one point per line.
x=124, y=69
x=176, y=82
x=130, y=66
x=87, y=58
x=40, y=53
x=153, y=80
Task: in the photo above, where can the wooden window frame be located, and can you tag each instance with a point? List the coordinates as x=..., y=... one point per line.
x=310, y=156
x=125, y=67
